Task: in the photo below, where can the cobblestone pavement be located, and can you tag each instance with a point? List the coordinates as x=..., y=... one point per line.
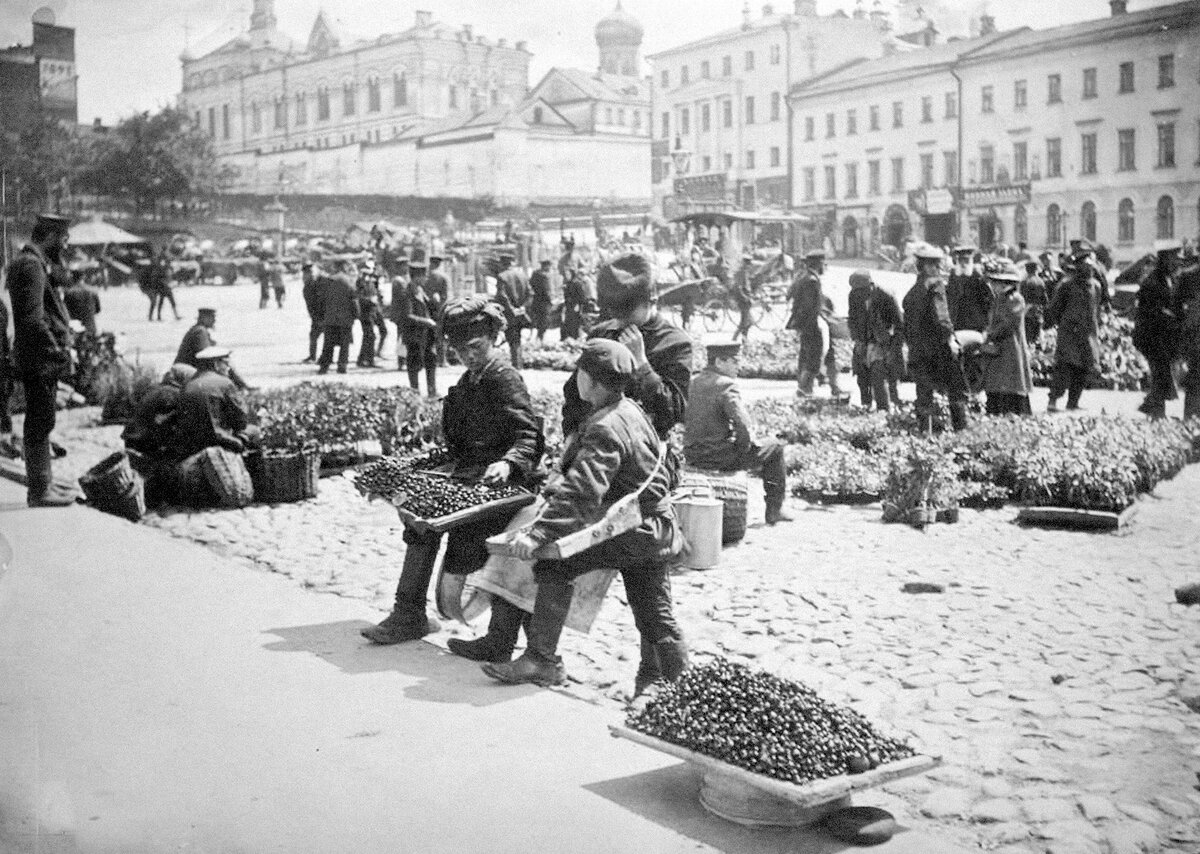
x=1046, y=674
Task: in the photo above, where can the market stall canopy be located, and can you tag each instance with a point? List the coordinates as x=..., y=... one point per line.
x=725, y=218
x=97, y=232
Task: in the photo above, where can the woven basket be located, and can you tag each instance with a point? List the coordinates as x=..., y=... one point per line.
x=112, y=477
x=282, y=478
x=227, y=476
x=732, y=490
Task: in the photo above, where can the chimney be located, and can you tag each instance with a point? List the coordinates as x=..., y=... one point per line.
x=424, y=19
x=746, y=15
x=1119, y=7
x=768, y=10
x=467, y=32
x=987, y=25
x=806, y=8
x=879, y=17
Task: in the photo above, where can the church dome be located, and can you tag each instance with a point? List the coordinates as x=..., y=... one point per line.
x=619, y=28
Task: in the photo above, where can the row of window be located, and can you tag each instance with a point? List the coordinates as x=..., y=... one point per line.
x=704, y=115
x=705, y=68
x=875, y=177
x=1164, y=220
x=749, y=160
x=1090, y=85
x=873, y=117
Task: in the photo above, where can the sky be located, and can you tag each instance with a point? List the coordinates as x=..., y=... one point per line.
x=127, y=51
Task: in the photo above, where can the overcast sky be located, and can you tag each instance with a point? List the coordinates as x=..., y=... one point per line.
x=128, y=50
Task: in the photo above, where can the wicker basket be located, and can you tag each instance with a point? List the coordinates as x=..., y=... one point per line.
x=284, y=477
x=730, y=487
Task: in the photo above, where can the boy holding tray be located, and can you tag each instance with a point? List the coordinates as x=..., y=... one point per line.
x=614, y=451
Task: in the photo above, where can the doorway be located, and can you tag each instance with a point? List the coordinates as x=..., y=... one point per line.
x=895, y=226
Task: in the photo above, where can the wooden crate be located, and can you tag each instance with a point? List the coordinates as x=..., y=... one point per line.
x=1079, y=520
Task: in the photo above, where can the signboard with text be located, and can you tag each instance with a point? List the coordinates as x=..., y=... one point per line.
x=996, y=194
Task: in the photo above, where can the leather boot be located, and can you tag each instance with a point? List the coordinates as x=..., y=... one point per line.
x=38, y=476
x=958, y=416
x=865, y=392
x=540, y=664
x=775, y=513
x=399, y=626
x=414, y=377
x=431, y=380
x=672, y=658
x=497, y=645
x=835, y=389
x=648, y=671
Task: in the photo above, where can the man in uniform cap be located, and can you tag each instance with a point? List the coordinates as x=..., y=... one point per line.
x=1156, y=326
x=211, y=411
x=613, y=453
x=41, y=350
x=933, y=348
x=199, y=338
x=313, y=284
x=492, y=436
x=339, y=310
x=743, y=295
x=718, y=432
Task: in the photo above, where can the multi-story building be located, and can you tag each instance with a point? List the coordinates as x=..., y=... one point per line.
x=1087, y=130
x=720, y=104
x=1090, y=129
x=876, y=146
x=428, y=112
x=39, y=79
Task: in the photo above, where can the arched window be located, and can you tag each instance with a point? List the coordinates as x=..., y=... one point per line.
x=1087, y=220
x=399, y=90
x=1166, y=218
x=1021, y=225
x=1125, y=230
x=1053, y=225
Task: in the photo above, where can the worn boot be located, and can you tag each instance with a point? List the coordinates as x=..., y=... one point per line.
x=672, y=658
x=399, y=626
x=775, y=512
x=497, y=645
x=414, y=377
x=431, y=380
x=958, y=416
x=865, y=393
x=540, y=664
x=39, y=485
x=804, y=383
x=648, y=671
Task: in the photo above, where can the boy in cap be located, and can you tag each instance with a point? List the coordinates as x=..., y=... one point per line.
x=493, y=436
x=612, y=454
x=41, y=350
x=718, y=432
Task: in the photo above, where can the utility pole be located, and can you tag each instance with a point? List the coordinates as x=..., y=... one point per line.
x=3, y=219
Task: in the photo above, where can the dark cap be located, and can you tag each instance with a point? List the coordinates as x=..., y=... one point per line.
x=860, y=278
x=471, y=317
x=62, y=223
x=206, y=312
x=418, y=264
x=815, y=255
x=606, y=360
x=727, y=350
x=507, y=256
x=546, y=262
x=963, y=249
x=624, y=283
x=436, y=259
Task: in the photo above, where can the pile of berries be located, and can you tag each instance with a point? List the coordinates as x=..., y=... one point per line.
x=428, y=496
x=379, y=477
x=764, y=724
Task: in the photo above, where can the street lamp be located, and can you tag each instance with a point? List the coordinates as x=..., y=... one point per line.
x=277, y=207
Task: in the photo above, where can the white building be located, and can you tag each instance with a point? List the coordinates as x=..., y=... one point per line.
x=720, y=104
x=429, y=112
x=1090, y=129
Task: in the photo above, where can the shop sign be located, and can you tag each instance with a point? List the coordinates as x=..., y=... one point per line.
x=931, y=202
x=701, y=186
x=996, y=194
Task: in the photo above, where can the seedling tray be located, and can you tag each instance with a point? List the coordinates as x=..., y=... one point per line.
x=748, y=798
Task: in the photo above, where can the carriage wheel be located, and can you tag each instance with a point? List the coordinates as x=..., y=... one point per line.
x=713, y=315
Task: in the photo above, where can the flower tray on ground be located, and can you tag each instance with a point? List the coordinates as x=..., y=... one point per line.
x=748, y=798
x=1079, y=520
x=851, y=498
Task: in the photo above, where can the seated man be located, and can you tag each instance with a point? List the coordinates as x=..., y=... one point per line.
x=149, y=435
x=717, y=430
x=200, y=337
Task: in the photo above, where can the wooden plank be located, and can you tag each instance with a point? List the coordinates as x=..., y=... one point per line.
x=1076, y=519
x=805, y=795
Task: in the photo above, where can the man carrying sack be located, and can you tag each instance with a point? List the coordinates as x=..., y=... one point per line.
x=615, y=452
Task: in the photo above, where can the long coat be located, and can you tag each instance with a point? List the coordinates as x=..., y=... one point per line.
x=414, y=314
x=340, y=301
x=1008, y=371
x=1156, y=326
x=806, y=298
x=1075, y=310
x=927, y=328
x=41, y=326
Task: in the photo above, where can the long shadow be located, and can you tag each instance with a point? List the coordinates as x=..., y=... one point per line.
x=440, y=677
x=670, y=797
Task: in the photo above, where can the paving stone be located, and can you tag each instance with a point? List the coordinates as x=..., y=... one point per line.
x=1141, y=812
x=1048, y=809
x=1096, y=808
x=1189, y=693
x=945, y=803
x=1131, y=837
x=1004, y=833
x=1173, y=807
x=995, y=810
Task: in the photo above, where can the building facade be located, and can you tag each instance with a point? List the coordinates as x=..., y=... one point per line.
x=1037, y=136
x=39, y=79
x=719, y=104
x=429, y=112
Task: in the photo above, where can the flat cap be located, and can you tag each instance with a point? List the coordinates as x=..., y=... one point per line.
x=963, y=249
x=507, y=256
x=470, y=317
x=418, y=264
x=860, y=278
x=814, y=254
x=208, y=354
x=436, y=259
x=929, y=252
x=1168, y=245
x=624, y=283
x=207, y=312
x=546, y=262
x=724, y=350
x=602, y=357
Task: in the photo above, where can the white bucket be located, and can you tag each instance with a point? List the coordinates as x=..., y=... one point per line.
x=700, y=519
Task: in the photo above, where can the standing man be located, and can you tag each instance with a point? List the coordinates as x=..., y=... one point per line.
x=718, y=432
x=885, y=347
x=277, y=283
x=369, y=313
x=512, y=292
x=416, y=326
x=437, y=290
x=1187, y=302
x=313, y=305
x=806, y=301
x=857, y=319
x=6, y=386
x=199, y=338
x=575, y=297
x=743, y=295
x=1075, y=310
x=933, y=348
x=1156, y=326
x=41, y=351
x=968, y=294
x=396, y=306
x=1034, y=292
x=539, y=304
x=339, y=311
x=161, y=290
x=82, y=303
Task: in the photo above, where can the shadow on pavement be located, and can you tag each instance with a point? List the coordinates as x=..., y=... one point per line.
x=670, y=797
x=441, y=677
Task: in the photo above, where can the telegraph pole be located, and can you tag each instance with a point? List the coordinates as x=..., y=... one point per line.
x=3, y=218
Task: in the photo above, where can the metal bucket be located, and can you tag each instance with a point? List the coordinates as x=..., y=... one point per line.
x=700, y=519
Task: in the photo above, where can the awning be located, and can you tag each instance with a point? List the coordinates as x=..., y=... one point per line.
x=97, y=232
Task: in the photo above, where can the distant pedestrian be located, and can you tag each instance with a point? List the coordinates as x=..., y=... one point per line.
x=396, y=307
x=1075, y=310
x=277, y=283
x=575, y=297
x=340, y=310
x=264, y=283
x=512, y=292
x=1036, y=296
x=437, y=289
x=1156, y=326
x=807, y=303
x=313, y=300
x=1007, y=377
x=539, y=302
x=370, y=315
x=933, y=349
x=417, y=326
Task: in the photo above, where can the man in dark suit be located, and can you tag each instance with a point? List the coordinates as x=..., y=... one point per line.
x=340, y=312
x=200, y=337
x=41, y=351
